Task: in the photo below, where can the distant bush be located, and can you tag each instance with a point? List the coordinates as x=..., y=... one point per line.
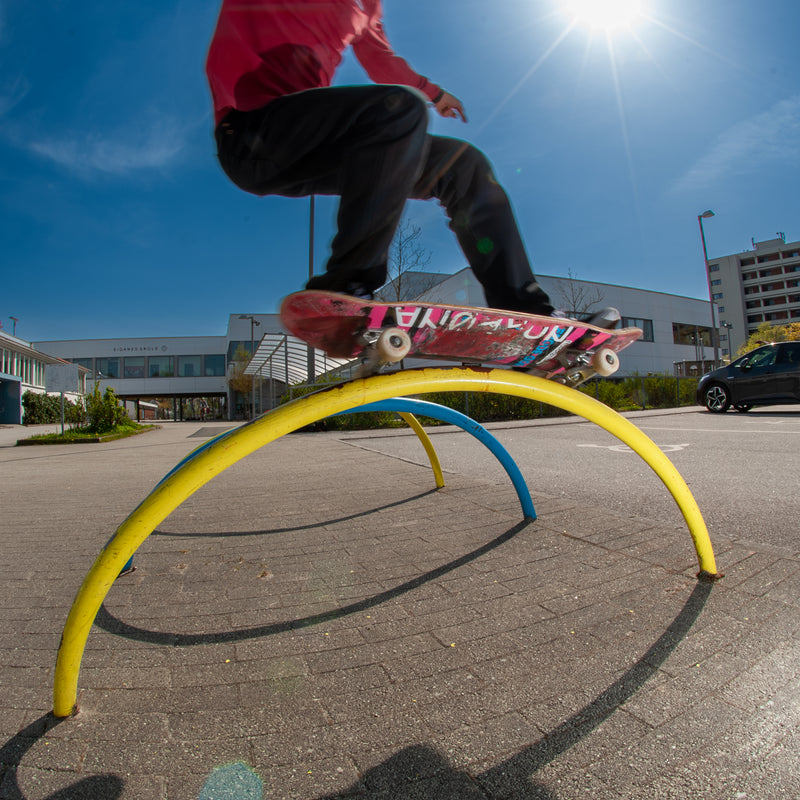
x=104, y=412
x=44, y=409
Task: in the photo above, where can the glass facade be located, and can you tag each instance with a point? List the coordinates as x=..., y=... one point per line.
x=190, y=366
x=645, y=324
x=691, y=334
x=133, y=367
x=160, y=367
x=149, y=366
x=214, y=365
x=106, y=367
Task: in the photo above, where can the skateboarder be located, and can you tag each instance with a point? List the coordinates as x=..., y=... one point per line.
x=282, y=129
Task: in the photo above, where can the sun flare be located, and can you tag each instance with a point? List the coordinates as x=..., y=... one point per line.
x=605, y=15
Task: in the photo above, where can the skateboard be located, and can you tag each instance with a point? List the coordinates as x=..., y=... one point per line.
x=380, y=333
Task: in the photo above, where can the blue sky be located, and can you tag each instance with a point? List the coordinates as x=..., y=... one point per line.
x=116, y=221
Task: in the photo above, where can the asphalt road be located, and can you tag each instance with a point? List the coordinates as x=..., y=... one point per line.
x=743, y=469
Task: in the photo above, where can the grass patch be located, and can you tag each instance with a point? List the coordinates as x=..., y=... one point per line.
x=82, y=435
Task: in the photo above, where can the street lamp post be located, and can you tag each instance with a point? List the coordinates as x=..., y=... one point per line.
x=312, y=370
x=728, y=326
x=714, y=342
x=253, y=323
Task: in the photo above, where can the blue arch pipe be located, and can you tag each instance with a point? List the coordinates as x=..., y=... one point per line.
x=444, y=414
x=426, y=409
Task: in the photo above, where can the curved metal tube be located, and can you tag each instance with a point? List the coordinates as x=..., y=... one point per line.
x=210, y=461
x=427, y=409
x=422, y=435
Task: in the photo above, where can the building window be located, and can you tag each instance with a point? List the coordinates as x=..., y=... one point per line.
x=718, y=296
x=746, y=262
x=645, y=324
x=716, y=282
x=776, y=315
x=769, y=257
x=792, y=284
x=794, y=298
x=753, y=304
x=84, y=362
x=754, y=319
x=691, y=334
x=214, y=365
x=768, y=273
x=772, y=287
x=752, y=289
x=775, y=301
x=791, y=254
x=190, y=366
x=713, y=267
x=133, y=367
x=160, y=367
x=792, y=268
x=107, y=367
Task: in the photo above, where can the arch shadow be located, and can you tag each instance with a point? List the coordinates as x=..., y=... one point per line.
x=514, y=778
x=111, y=624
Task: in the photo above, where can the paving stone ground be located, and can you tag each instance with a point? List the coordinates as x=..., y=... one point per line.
x=318, y=622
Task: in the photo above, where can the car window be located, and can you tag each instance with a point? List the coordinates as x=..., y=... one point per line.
x=790, y=353
x=762, y=358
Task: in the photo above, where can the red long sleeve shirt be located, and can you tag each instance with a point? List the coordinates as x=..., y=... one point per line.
x=264, y=49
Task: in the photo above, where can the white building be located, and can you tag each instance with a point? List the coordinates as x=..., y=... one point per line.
x=756, y=286
x=22, y=369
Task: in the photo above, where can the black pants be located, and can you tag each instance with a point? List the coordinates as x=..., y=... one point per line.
x=369, y=145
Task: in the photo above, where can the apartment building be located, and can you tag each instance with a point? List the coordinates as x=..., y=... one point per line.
x=753, y=287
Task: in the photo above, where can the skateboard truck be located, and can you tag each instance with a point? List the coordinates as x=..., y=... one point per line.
x=580, y=367
x=388, y=346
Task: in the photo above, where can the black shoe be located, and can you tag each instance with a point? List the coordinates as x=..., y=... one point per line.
x=532, y=299
x=360, y=291
x=357, y=289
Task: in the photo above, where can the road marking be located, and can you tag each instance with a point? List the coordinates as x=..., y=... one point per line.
x=714, y=430
x=623, y=448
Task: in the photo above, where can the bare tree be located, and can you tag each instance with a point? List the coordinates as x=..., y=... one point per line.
x=408, y=278
x=577, y=301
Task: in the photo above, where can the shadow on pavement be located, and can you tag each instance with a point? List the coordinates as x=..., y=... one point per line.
x=108, y=622
x=95, y=787
x=433, y=776
x=294, y=528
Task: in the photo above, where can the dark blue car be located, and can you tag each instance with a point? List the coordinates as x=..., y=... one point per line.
x=766, y=376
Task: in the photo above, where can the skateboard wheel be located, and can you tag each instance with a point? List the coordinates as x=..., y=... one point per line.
x=393, y=345
x=605, y=361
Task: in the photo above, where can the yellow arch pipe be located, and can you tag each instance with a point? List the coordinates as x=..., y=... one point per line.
x=422, y=435
x=237, y=444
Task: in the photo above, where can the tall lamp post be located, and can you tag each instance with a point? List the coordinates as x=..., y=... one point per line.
x=253, y=323
x=714, y=342
x=312, y=369
x=728, y=326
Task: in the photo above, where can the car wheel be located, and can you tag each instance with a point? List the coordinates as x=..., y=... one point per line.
x=716, y=398
x=743, y=407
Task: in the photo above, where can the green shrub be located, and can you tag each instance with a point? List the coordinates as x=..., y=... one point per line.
x=104, y=413
x=44, y=409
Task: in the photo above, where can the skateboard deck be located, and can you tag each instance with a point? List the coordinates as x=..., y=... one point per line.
x=379, y=333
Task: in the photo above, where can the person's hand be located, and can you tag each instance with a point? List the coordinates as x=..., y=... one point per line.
x=449, y=106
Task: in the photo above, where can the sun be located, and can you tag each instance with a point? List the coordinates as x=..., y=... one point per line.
x=607, y=15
